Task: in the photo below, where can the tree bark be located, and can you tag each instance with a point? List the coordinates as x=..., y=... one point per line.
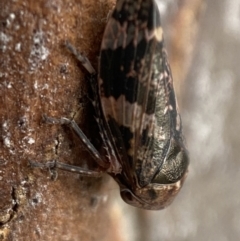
x=39, y=76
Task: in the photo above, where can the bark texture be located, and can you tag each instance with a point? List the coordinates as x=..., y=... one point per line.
x=39, y=76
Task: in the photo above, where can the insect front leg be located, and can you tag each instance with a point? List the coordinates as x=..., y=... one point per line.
x=83, y=59
x=92, y=73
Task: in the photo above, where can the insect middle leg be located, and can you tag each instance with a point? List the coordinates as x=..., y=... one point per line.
x=53, y=165
x=92, y=150
x=71, y=168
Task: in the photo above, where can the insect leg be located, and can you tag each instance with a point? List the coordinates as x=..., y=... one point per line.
x=103, y=127
x=83, y=59
x=93, y=151
x=87, y=65
x=53, y=165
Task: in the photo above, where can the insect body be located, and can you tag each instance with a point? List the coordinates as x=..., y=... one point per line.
x=136, y=108
x=139, y=106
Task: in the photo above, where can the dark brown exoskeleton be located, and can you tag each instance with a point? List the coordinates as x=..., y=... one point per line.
x=136, y=109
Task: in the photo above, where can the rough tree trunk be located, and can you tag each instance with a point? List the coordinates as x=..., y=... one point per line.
x=39, y=76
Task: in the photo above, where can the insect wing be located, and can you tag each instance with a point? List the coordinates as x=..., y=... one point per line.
x=138, y=102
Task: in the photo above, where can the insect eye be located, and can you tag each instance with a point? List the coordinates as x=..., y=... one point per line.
x=126, y=195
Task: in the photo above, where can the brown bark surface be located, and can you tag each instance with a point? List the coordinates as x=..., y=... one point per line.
x=39, y=76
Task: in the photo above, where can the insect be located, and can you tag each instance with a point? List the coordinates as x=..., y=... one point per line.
x=136, y=109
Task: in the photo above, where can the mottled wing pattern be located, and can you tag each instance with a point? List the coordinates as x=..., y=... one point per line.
x=136, y=89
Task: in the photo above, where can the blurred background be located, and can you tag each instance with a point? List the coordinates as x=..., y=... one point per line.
x=203, y=42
